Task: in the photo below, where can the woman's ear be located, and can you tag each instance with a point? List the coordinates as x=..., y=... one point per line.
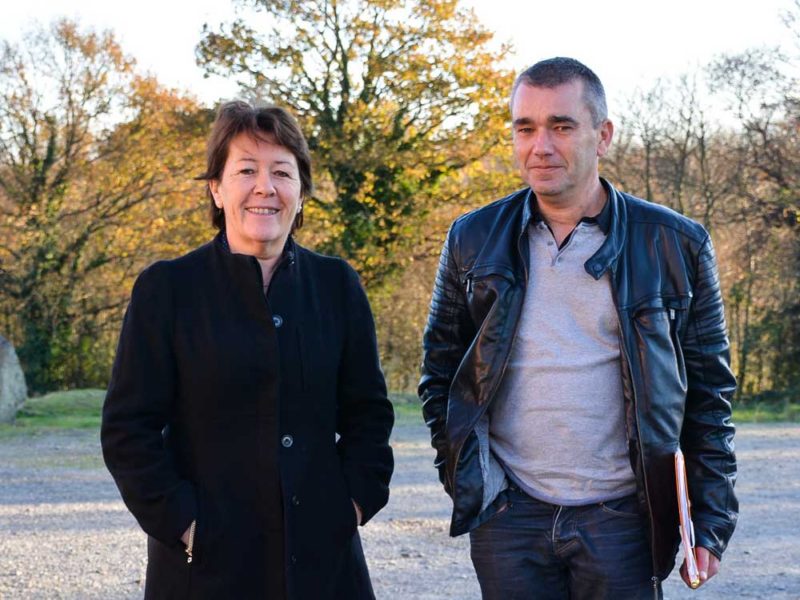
x=213, y=186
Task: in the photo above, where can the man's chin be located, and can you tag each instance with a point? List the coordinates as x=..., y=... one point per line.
x=546, y=189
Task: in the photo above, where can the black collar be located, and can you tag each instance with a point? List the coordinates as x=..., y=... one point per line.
x=288, y=247
x=602, y=219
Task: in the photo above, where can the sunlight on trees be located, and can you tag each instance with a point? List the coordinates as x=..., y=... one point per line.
x=393, y=97
x=87, y=149
x=405, y=108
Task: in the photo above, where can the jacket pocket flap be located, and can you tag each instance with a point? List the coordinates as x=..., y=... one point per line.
x=490, y=270
x=655, y=303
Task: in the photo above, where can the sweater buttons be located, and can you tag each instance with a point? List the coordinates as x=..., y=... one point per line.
x=277, y=320
x=295, y=501
x=287, y=441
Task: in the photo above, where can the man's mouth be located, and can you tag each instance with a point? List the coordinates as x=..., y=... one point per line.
x=262, y=211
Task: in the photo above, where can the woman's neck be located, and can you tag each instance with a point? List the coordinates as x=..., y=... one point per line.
x=267, y=269
x=268, y=257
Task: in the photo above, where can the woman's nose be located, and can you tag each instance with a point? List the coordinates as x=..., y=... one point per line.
x=264, y=185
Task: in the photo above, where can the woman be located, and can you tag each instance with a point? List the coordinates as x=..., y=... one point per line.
x=246, y=422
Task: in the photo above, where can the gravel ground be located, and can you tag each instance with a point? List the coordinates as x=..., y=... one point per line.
x=64, y=532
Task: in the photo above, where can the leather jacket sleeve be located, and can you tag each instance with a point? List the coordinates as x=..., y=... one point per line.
x=448, y=333
x=707, y=434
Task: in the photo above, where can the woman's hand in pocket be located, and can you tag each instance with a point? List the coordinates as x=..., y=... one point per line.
x=359, y=514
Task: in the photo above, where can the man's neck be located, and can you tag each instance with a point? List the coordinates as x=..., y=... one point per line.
x=563, y=214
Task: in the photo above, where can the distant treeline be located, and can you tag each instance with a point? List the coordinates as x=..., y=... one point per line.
x=405, y=109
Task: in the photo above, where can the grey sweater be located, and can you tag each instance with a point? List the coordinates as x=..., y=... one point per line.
x=557, y=424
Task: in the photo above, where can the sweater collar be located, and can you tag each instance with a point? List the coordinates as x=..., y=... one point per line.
x=613, y=221
x=533, y=214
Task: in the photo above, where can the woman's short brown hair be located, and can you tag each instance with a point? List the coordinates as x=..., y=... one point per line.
x=270, y=123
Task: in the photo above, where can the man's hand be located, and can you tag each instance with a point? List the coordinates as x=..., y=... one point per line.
x=359, y=514
x=707, y=565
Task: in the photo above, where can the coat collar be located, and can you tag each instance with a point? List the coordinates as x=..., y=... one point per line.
x=245, y=269
x=221, y=245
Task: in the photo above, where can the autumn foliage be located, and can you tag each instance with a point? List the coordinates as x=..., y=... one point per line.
x=405, y=108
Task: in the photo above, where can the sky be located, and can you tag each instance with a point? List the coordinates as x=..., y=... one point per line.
x=628, y=43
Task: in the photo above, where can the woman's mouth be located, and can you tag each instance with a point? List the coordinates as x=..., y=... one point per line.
x=262, y=211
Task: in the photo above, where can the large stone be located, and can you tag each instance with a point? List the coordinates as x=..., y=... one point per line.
x=13, y=390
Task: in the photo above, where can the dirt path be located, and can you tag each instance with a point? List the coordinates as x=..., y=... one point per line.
x=64, y=533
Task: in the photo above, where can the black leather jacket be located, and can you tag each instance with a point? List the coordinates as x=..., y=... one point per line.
x=677, y=381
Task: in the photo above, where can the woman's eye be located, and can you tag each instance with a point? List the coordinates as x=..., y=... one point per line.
x=247, y=171
x=282, y=174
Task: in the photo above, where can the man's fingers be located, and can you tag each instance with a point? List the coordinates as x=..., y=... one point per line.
x=702, y=563
x=684, y=574
x=707, y=564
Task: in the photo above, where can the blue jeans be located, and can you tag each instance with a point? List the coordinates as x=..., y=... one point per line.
x=532, y=550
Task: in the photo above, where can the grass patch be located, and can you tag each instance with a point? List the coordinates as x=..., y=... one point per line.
x=74, y=409
x=767, y=413
x=408, y=414
x=407, y=408
x=80, y=409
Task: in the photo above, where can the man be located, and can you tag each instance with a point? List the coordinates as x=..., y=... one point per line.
x=575, y=341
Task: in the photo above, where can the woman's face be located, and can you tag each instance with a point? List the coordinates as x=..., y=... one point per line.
x=259, y=191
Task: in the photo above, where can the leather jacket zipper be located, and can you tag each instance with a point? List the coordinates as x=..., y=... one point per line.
x=502, y=371
x=626, y=358
x=511, y=343
x=190, y=544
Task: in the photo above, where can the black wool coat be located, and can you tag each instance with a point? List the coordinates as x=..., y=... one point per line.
x=214, y=388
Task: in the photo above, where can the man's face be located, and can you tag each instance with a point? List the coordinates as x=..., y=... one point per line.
x=556, y=144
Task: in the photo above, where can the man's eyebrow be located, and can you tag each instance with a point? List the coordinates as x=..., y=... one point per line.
x=562, y=119
x=553, y=119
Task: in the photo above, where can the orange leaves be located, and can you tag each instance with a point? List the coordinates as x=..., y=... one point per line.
x=96, y=167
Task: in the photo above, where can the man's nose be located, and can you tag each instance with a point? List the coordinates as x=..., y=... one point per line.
x=542, y=143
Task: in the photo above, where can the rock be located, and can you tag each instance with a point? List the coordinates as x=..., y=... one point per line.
x=13, y=390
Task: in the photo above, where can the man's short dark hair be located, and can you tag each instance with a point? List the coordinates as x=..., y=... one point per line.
x=269, y=123
x=557, y=71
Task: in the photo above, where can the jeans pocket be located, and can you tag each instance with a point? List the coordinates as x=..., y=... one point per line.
x=627, y=507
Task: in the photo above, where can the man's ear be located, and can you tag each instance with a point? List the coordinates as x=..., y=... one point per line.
x=606, y=131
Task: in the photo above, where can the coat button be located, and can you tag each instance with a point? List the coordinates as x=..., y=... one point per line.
x=277, y=320
x=287, y=441
x=295, y=501
x=294, y=559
